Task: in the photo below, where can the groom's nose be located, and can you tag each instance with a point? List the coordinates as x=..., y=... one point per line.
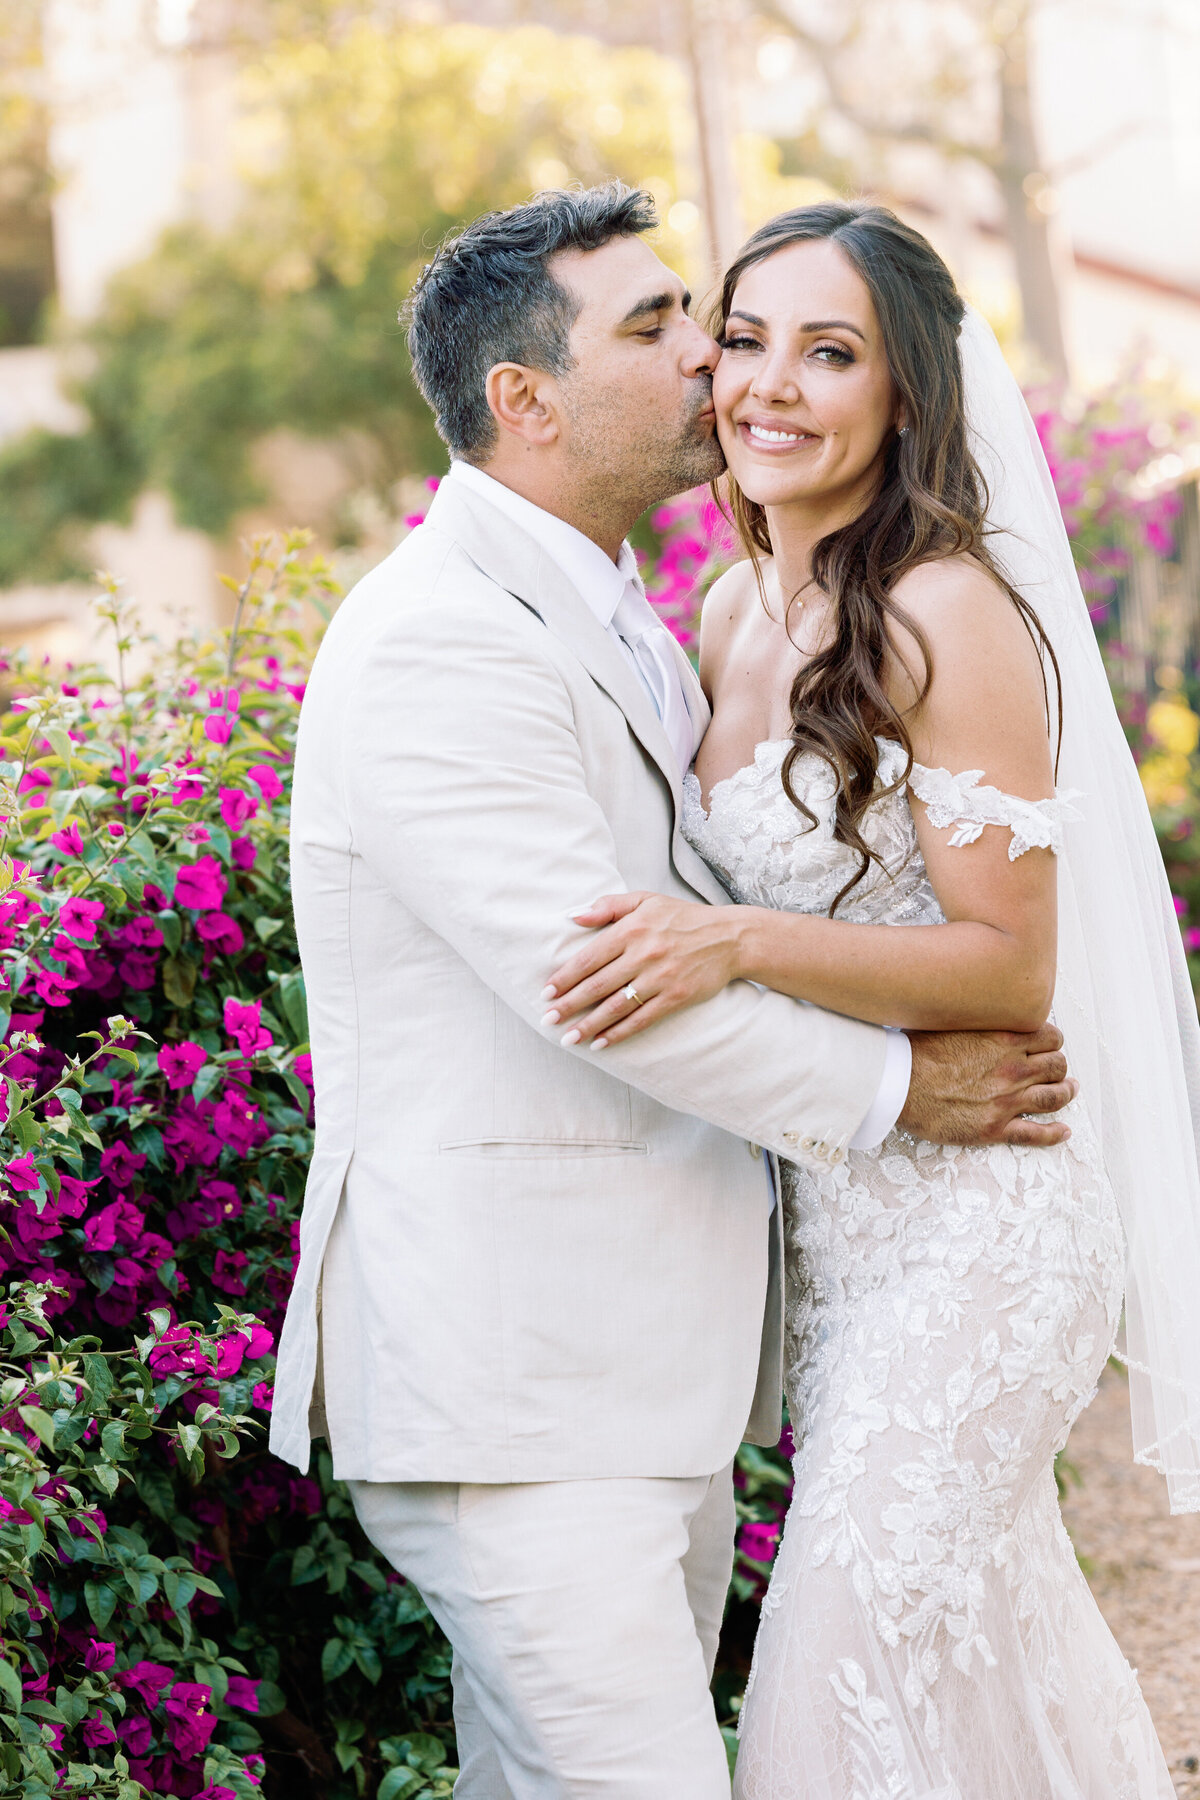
x=703, y=352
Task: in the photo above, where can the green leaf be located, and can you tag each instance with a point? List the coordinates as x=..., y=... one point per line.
x=10, y=1684
x=271, y=1699
x=179, y=979
x=180, y=1590
x=39, y=1422
x=72, y=1706
x=106, y=1477
x=101, y=1602
x=45, y=1709
x=336, y=1658
x=293, y=998
x=399, y=1782
x=97, y=1372
x=171, y=926
x=147, y=1141
x=369, y=1663
x=61, y=743
x=112, y=1440
x=133, y=883
x=371, y=1575
x=425, y=1751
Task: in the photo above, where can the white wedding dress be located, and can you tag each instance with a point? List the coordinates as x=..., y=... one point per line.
x=928, y=1634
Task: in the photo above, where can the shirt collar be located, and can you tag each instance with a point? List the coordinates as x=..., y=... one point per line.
x=599, y=582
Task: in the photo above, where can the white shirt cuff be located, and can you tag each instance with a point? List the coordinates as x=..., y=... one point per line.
x=891, y=1095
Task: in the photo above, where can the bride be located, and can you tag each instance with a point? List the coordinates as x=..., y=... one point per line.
x=912, y=730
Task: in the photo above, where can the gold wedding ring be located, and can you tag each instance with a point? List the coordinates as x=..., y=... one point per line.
x=631, y=994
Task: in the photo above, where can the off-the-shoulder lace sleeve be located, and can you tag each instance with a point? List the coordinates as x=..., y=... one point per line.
x=958, y=800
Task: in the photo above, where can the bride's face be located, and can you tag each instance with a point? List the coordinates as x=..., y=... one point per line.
x=804, y=396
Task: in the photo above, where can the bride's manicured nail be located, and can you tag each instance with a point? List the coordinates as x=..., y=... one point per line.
x=599, y=1043
x=569, y=1037
x=549, y=993
x=550, y=1018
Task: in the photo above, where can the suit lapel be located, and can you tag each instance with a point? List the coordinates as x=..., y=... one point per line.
x=514, y=560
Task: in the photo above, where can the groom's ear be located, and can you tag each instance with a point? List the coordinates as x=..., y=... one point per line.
x=523, y=402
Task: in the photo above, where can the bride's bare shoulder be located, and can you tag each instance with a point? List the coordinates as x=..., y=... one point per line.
x=974, y=633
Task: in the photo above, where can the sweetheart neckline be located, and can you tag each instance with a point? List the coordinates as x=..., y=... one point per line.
x=752, y=767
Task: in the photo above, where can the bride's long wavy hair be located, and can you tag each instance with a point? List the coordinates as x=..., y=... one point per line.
x=931, y=503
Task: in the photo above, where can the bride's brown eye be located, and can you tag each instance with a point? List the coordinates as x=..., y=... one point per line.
x=837, y=352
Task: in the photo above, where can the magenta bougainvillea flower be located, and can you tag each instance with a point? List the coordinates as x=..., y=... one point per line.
x=81, y=917
x=181, y=1063
x=22, y=1176
x=237, y=808
x=201, y=884
x=119, y=1164
x=190, y=1718
x=69, y=841
x=243, y=1022
x=266, y=781
x=221, y=932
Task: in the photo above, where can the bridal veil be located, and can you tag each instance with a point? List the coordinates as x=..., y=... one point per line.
x=1123, y=998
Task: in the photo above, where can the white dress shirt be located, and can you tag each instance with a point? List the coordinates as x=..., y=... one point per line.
x=614, y=593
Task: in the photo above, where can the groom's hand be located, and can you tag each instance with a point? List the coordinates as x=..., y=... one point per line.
x=974, y=1087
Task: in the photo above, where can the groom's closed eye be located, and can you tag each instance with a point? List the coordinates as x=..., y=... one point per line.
x=646, y=314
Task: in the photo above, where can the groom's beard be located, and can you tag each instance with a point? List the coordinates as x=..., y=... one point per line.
x=641, y=463
x=701, y=458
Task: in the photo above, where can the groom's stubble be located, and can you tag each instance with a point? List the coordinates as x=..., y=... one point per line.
x=634, y=462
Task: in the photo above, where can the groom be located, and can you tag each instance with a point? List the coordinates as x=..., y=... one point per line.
x=538, y=1301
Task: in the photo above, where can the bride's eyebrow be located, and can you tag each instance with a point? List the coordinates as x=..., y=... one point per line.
x=809, y=325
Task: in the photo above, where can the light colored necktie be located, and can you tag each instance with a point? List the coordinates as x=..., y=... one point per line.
x=652, y=649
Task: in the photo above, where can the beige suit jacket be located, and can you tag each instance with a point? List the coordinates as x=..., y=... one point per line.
x=521, y=1262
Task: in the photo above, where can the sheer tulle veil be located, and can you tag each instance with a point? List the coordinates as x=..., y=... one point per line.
x=1123, y=998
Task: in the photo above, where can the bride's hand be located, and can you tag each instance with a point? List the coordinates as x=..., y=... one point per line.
x=650, y=957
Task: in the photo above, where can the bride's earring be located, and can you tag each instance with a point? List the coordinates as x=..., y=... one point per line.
x=903, y=432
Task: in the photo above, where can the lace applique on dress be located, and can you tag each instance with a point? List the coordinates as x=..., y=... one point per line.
x=958, y=800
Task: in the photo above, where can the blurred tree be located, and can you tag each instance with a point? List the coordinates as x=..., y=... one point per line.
x=26, y=248
x=952, y=76
x=362, y=144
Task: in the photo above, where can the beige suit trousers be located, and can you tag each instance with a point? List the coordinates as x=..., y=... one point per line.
x=584, y=1618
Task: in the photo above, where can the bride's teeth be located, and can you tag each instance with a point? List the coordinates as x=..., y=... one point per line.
x=774, y=437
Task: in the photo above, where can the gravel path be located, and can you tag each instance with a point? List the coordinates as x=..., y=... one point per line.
x=1144, y=1569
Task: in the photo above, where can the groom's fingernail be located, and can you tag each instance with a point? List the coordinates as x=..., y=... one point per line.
x=568, y=1038
x=550, y=1018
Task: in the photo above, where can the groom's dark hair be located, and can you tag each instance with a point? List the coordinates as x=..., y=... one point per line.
x=486, y=298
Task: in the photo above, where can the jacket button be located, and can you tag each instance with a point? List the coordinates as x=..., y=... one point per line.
x=808, y=1143
x=791, y=1137
x=837, y=1156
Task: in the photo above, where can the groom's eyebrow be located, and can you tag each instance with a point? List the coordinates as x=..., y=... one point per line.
x=656, y=303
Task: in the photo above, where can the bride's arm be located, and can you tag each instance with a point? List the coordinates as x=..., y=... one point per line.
x=989, y=967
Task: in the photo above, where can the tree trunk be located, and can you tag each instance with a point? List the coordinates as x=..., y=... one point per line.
x=1028, y=206
x=704, y=53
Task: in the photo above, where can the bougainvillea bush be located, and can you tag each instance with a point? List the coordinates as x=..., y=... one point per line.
x=182, y=1614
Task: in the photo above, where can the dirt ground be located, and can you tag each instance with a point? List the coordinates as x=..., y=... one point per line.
x=1144, y=1569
